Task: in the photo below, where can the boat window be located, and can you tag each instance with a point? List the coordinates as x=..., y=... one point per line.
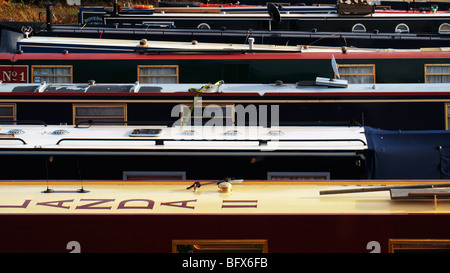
x=402, y=28
x=298, y=176
x=358, y=28
x=444, y=28
x=357, y=73
x=154, y=175
x=100, y=113
x=157, y=73
x=437, y=73
x=219, y=246
x=212, y=114
x=52, y=73
x=203, y=26
x=419, y=246
x=7, y=112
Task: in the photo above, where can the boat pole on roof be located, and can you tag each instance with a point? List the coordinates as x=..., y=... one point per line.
x=386, y=188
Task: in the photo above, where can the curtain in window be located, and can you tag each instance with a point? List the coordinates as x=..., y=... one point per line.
x=357, y=74
x=158, y=74
x=52, y=74
x=438, y=74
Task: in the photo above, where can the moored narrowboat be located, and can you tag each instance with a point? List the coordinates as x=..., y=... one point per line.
x=366, y=65
x=387, y=106
x=250, y=217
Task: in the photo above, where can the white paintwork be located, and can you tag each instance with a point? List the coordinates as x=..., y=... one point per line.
x=205, y=138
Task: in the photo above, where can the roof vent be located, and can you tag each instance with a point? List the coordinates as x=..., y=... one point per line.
x=60, y=132
x=276, y=133
x=189, y=132
x=232, y=133
x=16, y=131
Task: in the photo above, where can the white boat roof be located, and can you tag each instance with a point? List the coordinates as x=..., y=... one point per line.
x=182, y=138
x=151, y=45
x=132, y=45
x=256, y=89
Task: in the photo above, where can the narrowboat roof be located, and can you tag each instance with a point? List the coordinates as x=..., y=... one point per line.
x=87, y=138
x=309, y=52
x=244, y=198
x=300, y=88
x=150, y=46
x=161, y=46
x=288, y=16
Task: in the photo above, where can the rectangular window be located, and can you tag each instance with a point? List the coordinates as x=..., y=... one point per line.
x=223, y=113
x=100, y=113
x=418, y=246
x=157, y=73
x=142, y=175
x=7, y=112
x=357, y=73
x=219, y=246
x=298, y=176
x=51, y=73
x=437, y=73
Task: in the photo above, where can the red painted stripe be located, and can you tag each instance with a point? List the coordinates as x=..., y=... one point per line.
x=232, y=56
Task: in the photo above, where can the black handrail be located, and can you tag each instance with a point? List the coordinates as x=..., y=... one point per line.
x=13, y=138
x=159, y=141
x=24, y=122
x=149, y=123
x=267, y=124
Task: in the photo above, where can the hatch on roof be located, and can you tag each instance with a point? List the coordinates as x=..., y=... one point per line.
x=66, y=88
x=110, y=88
x=150, y=89
x=25, y=88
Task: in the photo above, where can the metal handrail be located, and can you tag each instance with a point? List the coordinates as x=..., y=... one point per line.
x=13, y=138
x=159, y=141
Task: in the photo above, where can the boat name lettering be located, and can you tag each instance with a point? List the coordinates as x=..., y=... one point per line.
x=108, y=204
x=14, y=74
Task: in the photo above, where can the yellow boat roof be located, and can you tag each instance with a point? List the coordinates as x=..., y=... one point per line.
x=173, y=197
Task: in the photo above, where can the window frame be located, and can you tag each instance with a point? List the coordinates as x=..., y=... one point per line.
x=355, y=26
x=177, y=75
x=426, y=74
x=446, y=31
x=154, y=173
x=416, y=243
x=14, y=110
x=52, y=75
x=224, y=242
x=270, y=175
x=75, y=106
x=399, y=30
x=359, y=65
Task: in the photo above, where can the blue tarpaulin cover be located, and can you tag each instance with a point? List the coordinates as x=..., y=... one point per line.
x=407, y=154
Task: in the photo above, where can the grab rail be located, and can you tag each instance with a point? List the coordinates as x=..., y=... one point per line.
x=13, y=138
x=159, y=141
